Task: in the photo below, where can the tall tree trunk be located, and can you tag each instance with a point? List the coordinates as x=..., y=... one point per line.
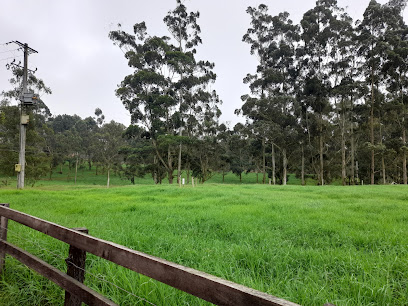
x=303, y=166
x=181, y=102
x=321, y=150
x=404, y=156
x=76, y=167
x=273, y=165
x=179, y=161
x=156, y=168
x=343, y=158
x=170, y=166
x=170, y=176
x=343, y=143
x=263, y=161
x=285, y=163
x=107, y=185
x=404, y=140
x=352, y=138
x=352, y=157
x=383, y=170
x=382, y=159
x=61, y=168
x=372, y=131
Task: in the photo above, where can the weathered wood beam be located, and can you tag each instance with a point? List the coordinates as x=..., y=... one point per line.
x=200, y=284
x=3, y=236
x=66, y=282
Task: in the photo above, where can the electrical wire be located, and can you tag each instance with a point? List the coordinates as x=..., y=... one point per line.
x=7, y=58
x=69, y=262
x=9, y=50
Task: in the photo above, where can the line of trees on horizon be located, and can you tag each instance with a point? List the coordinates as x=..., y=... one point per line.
x=328, y=99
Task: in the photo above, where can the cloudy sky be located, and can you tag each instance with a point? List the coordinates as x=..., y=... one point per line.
x=82, y=66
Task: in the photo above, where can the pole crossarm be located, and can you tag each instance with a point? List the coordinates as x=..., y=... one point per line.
x=29, y=50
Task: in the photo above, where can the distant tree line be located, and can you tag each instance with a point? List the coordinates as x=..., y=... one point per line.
x=327, y=100
x=329, y=95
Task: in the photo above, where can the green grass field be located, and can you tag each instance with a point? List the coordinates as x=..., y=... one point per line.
x=310, y=245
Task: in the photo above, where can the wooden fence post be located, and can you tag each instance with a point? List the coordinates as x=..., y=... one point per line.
x=3, y=236
x=75, y=269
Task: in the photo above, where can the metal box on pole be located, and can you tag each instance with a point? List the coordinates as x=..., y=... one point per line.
x=28, y=98
x=25, y=119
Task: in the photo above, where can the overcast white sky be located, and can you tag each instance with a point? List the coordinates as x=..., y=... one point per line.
x=82, y=66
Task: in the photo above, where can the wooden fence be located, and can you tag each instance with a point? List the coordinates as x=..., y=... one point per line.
x=200, y=284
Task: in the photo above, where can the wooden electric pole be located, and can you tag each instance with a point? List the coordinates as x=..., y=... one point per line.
x=26, y=99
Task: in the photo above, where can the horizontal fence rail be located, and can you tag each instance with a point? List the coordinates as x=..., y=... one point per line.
x=66, y=282
x=205, y=286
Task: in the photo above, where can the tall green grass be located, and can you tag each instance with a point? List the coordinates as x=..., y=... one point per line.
x=310, y=245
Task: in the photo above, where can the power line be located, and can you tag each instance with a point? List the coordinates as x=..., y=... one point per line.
x=10, y=50
x=7, y=58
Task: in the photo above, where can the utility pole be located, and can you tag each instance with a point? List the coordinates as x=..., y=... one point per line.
x=26, y=99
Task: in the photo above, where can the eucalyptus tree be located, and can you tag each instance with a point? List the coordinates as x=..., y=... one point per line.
x=138, y=155
x=344, y=82
x=239, y=148
x=281, y=75
x=257, y=131
x=318, y=36
x=109, y=143
x=61, y=125
x=273, y=40
x=100, y=117
x=87, y=129
x=395, y=69
x=258, y=37
x=224, y=157
x=72, y=138
x=372, y=47
x=147, y=93
x=193, y=76
x=9, y=122
x=53, y=148
x=203, y=128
